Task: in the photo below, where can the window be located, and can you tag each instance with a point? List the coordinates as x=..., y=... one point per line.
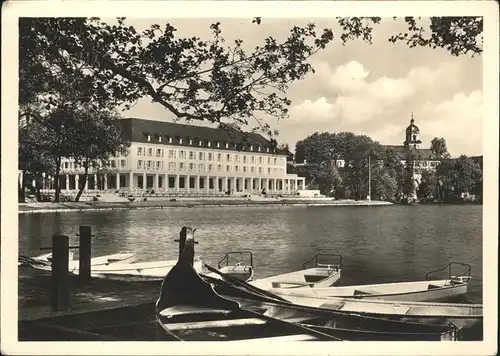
x=66, y=165
x=182, y=154
x=228, y=168
x=228, y=157
x=150, y=152
x=148, y=137
x=209, y=144
x=171, y=166
x=227, y=145
x=237, y=158
x=218, y=144
x=169, y=139
x=267, y=150
x=158, y=165
x=219, y=168
x=190, y=141
x=210, y=156
x=158, y=152
x=123, y=163
x=251, y=148
x=268, y=160
x=258, y=148
x=192, y=155
x=180, y=140
x=159, y=138
x=275, y=161
x=253, y=159
x=260, y=160
x=236, y=169
x=219, y=157
x=171, y=154
x=113, y=163
x=252, y=169
x=269, y=171
x=260, y=169
x=210, y=168
x=139, y=164
x=244, y=168
x=181, y=166
x=139, y=151
x=199, y=142
x=244, y=159
x=191, y=167
x=150, y=164
x=201, y=156
x=201, y=167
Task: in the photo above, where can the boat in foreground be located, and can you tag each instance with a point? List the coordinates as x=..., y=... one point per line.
x=420, y=291
x=319, y=275
x=189, y=309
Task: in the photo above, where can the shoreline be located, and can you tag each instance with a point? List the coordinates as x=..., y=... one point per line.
x=31, y=208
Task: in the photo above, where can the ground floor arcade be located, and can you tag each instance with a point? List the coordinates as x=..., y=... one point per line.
x=178, y=182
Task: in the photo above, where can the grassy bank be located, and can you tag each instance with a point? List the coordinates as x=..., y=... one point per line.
x=185, y=203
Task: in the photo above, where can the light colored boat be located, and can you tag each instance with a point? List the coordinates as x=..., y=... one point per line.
x=44, y=262
x=419, y=291
x=459, y=314
x=235, y=264
x=139, y=271
x=319, y=275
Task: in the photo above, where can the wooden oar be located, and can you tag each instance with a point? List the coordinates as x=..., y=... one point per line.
x=245, y=285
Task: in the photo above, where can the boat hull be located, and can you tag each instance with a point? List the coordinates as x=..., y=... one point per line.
x=421, y=291
x=308, y=278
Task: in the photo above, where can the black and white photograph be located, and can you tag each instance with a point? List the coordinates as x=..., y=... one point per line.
x=248, y=176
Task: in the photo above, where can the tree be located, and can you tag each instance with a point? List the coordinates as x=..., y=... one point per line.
x=394, y=167
x=194, y=79
x=328, y=179
x=427, y=189
x=439, y=149
x=458, y=35
x=94, y=137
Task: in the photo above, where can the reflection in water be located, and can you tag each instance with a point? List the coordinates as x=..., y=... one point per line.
x=379, y=244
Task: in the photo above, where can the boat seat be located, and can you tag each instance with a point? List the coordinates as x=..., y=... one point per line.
x=360, y=292
x=433, y=286
x=290, y=284
x=313, y=278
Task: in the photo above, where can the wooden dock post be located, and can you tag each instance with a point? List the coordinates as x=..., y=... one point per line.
x=85, y=252
x=60, y=262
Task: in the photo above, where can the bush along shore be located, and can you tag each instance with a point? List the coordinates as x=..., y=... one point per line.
x=186, y=203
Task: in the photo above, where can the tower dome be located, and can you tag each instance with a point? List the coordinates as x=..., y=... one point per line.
x=412, y=137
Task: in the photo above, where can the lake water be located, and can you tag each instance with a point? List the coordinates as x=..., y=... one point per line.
x=378, y=244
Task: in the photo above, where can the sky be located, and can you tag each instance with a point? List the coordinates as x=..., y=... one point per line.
x=370, y=89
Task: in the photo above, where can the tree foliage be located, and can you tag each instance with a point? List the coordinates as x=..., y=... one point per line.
x=439, y=148
x=193, y=78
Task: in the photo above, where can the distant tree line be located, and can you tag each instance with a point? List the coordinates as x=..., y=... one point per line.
x=391, y=179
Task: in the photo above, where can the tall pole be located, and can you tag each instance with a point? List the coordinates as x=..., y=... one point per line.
x=369, y=178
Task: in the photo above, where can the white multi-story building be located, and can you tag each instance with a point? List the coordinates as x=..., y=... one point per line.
x=173, y=157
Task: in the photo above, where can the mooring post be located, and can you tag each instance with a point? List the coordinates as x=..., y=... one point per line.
x=85, y=247
x=60, y=262
x=182, y=240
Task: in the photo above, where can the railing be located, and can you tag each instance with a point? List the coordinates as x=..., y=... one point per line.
x=337, y=264
x=460, y=278
x=226, y=259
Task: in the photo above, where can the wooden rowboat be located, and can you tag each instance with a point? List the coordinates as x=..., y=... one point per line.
x=189, y=309
x=44, y=262
x=320, y=275
x=419, y=291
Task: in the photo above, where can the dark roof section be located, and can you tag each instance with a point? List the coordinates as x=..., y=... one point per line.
x=425, y=153
x=137, y=130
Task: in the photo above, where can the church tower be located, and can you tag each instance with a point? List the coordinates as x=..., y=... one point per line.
x=412, y=139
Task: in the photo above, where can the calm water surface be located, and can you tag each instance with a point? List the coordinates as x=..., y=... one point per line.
x=379, y=244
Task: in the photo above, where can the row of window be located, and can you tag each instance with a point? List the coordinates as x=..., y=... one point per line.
x=206, y=156
x=202, y=168
x=118, y=163
x=198, y=142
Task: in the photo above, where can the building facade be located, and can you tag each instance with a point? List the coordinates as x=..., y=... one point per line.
x=169, y=157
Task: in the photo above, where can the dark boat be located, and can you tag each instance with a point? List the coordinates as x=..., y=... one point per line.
x=189, y=309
